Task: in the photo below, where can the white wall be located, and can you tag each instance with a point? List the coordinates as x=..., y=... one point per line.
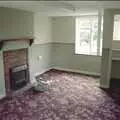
x=63, y=29
x=42, y=29
x=63, y=36
x=20, y=24
x=115, y=71
x=115, y=44
x=15, y=23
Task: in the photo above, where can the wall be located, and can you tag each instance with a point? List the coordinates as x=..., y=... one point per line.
x=63, y=29
x=42, y=29
x=44, y=54
x=107, y=48
x=115, y=66
x=18, y=23
x=116, y=44
x=110, y=67
x=15, y=23
x=39, y=65
x=43, y=45
x=63, y=36
x=40, y=54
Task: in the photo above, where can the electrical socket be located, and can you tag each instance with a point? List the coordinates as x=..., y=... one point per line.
x=39, y=57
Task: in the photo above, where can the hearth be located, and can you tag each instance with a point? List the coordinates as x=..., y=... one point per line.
x=19, y=76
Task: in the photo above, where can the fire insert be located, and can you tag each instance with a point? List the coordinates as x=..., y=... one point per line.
x=19, y=77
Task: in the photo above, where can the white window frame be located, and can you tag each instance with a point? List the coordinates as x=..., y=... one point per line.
x=99, y=33
x=116, y=35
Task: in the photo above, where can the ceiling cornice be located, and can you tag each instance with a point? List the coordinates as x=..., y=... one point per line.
x=66, y=7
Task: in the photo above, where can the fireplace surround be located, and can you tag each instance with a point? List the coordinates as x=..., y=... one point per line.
x=16, y=69
x=14, y=54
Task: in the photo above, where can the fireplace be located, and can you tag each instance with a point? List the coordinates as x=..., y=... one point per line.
x=19, y=76
x=16, y=70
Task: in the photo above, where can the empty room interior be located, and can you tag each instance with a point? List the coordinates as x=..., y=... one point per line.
x=59, y=60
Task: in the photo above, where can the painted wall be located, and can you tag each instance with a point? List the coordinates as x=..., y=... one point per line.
x=115, y=63
x=116, y=44
x=15, y=23
x=38, y=66
x=43, y=45
x=110, y=68
x=42, y=29
x=107, y=48
x=63, y=29
x=18, y=23
x=63, y=36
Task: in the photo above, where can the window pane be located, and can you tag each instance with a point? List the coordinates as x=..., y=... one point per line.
x=101, y=36
x=86, y=35
x=116, y=31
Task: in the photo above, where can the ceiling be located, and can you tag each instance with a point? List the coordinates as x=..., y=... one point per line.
x=58, y=8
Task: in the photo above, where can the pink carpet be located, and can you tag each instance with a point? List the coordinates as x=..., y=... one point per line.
x=71, y=97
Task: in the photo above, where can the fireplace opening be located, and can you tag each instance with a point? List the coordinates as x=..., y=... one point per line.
x=19, y=77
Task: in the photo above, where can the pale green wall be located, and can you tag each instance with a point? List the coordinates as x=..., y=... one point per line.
x=63, y=36
x=115, y=67
x=42, y=29
x=18, y=23
x=15, y=23
x=63, y=29
x=107, y=48
x=64, y=57
x=110, y=68
x=36, y=66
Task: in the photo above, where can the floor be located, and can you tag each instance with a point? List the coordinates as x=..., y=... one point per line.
x=70, y=97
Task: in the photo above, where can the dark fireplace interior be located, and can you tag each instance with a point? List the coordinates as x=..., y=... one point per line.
x=19, y=77
x=16, y=69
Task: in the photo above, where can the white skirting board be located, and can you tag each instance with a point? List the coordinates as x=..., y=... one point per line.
x=104, y=86
x=2, y=96
x=43, y=71
x=69, y=70
x=77, y=71
x=32, y=77
x=83, y=72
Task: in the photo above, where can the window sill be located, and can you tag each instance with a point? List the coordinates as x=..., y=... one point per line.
x=88, y=55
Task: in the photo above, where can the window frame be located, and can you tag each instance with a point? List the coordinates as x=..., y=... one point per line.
x=99, y=33
x=114, y=36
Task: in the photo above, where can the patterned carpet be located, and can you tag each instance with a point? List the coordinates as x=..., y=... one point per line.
x=71, y=97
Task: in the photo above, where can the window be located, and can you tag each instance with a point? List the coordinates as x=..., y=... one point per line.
x=116, y=32
x=88, y=35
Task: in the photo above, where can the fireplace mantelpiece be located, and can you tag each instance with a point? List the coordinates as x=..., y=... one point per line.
x=30, y=41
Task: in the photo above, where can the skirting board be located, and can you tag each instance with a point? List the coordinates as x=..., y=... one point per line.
x=2, y=96
x=32, y=78
x=77, y=71
x=104, y=86
x=43, y=71
x=69, y=70
x=83, y=72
